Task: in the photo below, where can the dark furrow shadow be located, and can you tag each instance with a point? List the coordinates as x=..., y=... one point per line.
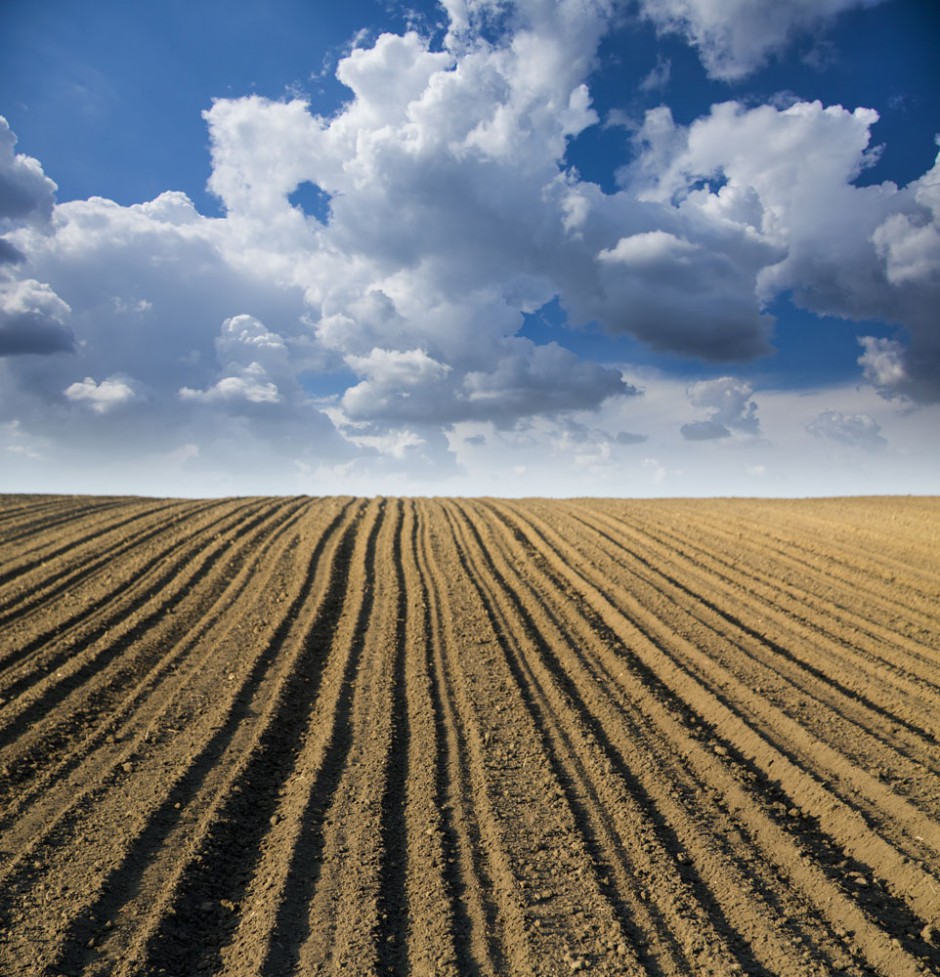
x=203, y=916
x=37, y=511
x=790, y=548
x=480, y=859
x=393, y=947
x=74, y=513
x=811, y=568
x=562, y=677
x=886, y=911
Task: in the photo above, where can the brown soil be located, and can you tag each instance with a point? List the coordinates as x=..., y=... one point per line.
x=319, y=736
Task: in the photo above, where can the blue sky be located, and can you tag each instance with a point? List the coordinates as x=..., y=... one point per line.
x=660, y=247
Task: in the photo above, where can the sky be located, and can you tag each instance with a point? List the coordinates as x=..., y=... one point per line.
x=628, y=248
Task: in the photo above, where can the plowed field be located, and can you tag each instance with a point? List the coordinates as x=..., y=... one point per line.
x=320, y=736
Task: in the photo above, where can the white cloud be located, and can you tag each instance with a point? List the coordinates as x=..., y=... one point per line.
x=33, y=319
x=102, y=397
x=452, y=213
x=909, y=243
x=26, y=194
x=251, y=387
x=531, y=379
x=245, y=343
x=774, y=190
x=398, y=385
x=734, y=37
x=855, y=430
x=676, y=294
x=728, y=401
x=883, y=364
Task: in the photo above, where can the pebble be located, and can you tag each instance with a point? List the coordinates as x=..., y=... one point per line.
x=575, y=961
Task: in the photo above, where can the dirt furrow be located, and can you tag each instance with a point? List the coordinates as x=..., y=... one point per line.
x=850, y=608
x=348, y=908
x=476, y=700
x=834, y=565
x=27, y=583
x=200, y=896
x=434, y=912
x=895, y=817
x=24, y=516
x=58, y=616
x=440, y=737
x=874, y=650
x=77, y=682
x=37, y=641
x=908, y=878
x=43, y=519
x=96, y=749
x=466, y=863
x=274, y=919
x=695, y=912
x=851, y=788
x=180, y=764
x=786, y=666
x=577, y=921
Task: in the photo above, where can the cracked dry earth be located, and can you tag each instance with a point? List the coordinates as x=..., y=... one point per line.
x=275, y=736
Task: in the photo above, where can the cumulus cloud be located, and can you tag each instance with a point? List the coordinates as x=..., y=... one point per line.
x=33, y=319
x=452, y=213
x=908, y=242
x=398, y=385
x=729, y=400
x=883, y=364
x=855, y=430
x=26, y=193
x=102, y=397
x=774, y=188
x=734, y=37
x=531, y=379
x=730, y=407
x=251, y=387
x=680, y=295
